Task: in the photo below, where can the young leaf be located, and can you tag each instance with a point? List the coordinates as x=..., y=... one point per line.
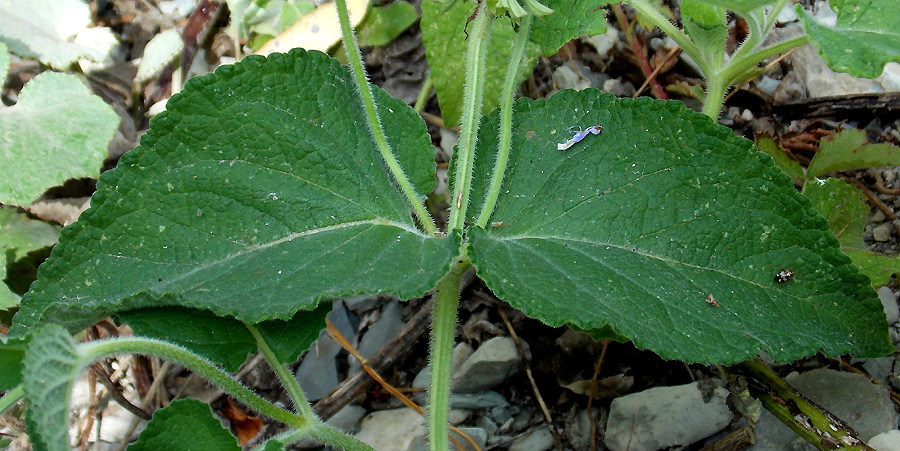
x=864, y=39
x=844, y=207
x=53, y=31
x=707, y=28
x=51, y=364
x=787, y=164
x=185, y=425
x=158, y=53
x=850, y=149
x=444, y=37
x=637, y=227
x=57, y=131
x=257, y=194
x=18, y=236
x=225, y=341
x=384, y=23
x=739, y=6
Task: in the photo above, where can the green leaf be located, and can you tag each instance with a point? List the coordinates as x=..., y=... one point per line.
x=638, y=226
x=158, y=53
x=849, y=149
x=257, y=194
x=864, y=39
x=444, y=37
x=57, y=131
x=51, y=364
x=12, y=351
x=384, y=23
x=19, y=235
x=185, y=425
x=787, y=164
x=53, y=31
x=225, y=341
x=4, y=63
x=844, y=207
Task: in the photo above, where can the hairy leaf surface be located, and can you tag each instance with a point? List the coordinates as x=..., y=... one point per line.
x=257, y=194
x=51, y=363
x=185, y=424
x=642, y=226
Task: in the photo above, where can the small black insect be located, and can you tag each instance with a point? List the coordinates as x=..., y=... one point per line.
x=784, y=275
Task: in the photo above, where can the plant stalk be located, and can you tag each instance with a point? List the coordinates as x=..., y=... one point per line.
x=443, y=333
x=374, y=121
x=96, y=350
x=284, y=374
x=680, y=38
x=473, y=97
x=816, y=425
x=11, y=398
x=506, y=112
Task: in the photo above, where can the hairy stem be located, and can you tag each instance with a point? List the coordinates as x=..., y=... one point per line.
x=443, y=332
x=11, y=398
x=284, y=374
x=680, y=38
x=471, y=116
x=374, y=122
x=96, y=350
x=506, y=112
x=321, y=432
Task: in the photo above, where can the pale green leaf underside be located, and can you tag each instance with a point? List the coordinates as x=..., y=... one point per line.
x=636, y=227
x=19, y=235
x=257, y=194
x=51, y=364
x=53, y=31
x=864, y=39
x=4, y=63
x=58, y=130
x=850, y=149
x=158, y=53
x=185, y=424
x=740, y=6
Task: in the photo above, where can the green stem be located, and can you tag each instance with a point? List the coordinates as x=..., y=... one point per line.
x=506, y=111
x=443, y=333
x=473, y=96
x=11, y=398
x=374, y=122
x=680, y=38
x=816, y=425
x=321, y=432
x=96, y=350
x=284, y=374
x=716, y=86
x=423, y=94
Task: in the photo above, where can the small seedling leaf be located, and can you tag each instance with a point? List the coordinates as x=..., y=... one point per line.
x=844, y=207
x=51, y=363
x=257, y=194
x=638, y=226
x=57, y=131
x=185, y=425
x=787, y=164
x=384, y=23
x=19, y=235
x=53, y=31
x=849, y=149
x=864, y=39
x=158, y=53
x=705, y=24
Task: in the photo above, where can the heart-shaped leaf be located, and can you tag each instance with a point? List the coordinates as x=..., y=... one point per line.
x=671, y=230
x=257, y=194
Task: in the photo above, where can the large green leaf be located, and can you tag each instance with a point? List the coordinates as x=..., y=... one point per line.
x=444, y=36
x=58, y=130
x=257, y=194
x=844, y=207
x=53, y=31
x=638, y=226
x=864, y=39
x=12, y=351
x=185, y=425
x=51, y=364
x=226, y=341
x=19, y=235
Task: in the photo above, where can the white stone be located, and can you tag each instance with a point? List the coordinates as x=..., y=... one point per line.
x=539, y=440
x=665, y=416
x=393, y=430
x=883, y=232
x=490, y=365
x=889, y=301
x=886, y=441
